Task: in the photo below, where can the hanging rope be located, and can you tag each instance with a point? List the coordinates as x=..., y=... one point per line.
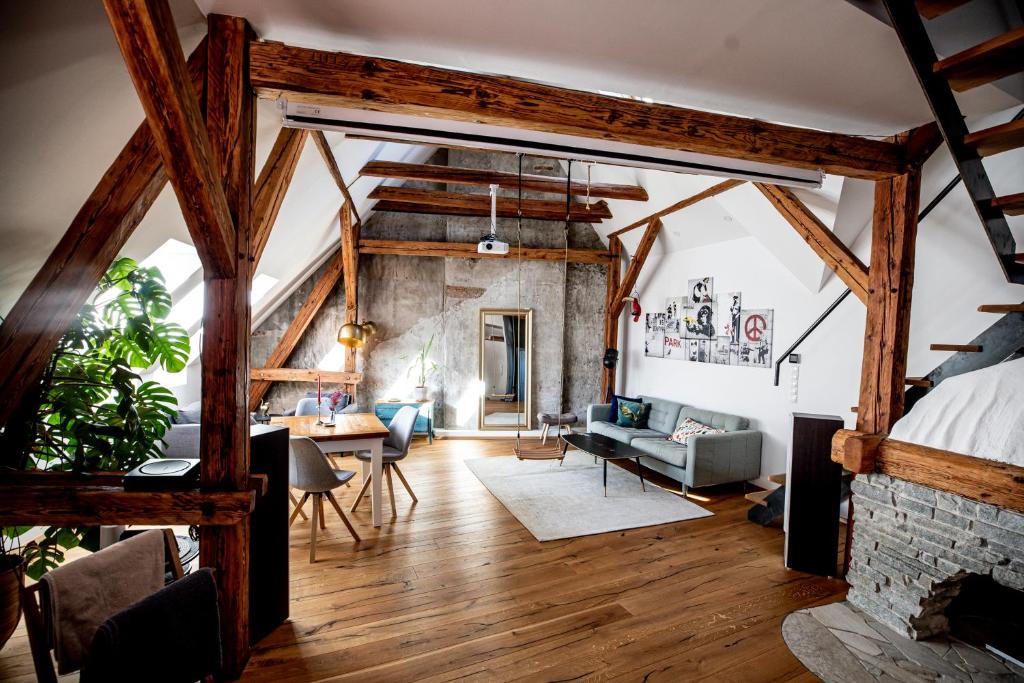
x=544, y=451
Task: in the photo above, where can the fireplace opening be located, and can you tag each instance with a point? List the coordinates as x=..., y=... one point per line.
x=989, y=616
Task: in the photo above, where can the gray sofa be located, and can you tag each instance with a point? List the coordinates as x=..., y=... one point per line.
x=705, y=459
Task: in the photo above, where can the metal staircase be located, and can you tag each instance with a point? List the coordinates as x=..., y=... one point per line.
x=991, y=60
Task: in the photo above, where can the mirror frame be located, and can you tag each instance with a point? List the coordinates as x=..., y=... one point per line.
x=527, y=314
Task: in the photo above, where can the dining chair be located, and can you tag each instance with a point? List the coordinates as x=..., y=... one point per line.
x=311, y=472
x=396, y=447
x=307, y=406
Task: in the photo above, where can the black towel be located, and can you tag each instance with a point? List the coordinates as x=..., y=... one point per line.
x=169, y=637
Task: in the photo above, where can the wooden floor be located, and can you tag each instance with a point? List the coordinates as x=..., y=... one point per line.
x=455, y=588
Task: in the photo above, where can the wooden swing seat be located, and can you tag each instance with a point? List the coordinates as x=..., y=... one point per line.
x=540, y=451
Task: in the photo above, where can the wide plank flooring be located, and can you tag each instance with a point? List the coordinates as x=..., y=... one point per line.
x=454, y=588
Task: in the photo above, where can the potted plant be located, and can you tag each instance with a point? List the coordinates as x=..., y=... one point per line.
x=11, y=573
x=92, y=410
x=424, y=367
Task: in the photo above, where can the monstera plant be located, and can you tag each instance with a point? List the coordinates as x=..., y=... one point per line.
x=92, y=410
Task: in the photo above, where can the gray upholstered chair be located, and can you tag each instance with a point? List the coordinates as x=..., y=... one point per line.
x=396, y=447
x=311, y=472
x=307, y=406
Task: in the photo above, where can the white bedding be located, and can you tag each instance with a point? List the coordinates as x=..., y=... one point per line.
x=978, y=413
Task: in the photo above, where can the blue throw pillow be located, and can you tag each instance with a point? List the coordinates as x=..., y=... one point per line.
x=613, y=414
x=633, y=414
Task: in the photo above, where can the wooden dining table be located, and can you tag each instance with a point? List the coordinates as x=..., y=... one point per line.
x=350, y=432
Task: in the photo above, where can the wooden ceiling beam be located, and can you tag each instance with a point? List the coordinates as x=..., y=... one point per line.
x=297, y=327
x=464, y=204
x=271, y=186
x=636, y=264
x=471, y=176
x=98, y=232
x=468, y=250
x=149, y=43
x=320, y=140
x=829, y=248
x=390, y=86
x=680, y=205
x=304, y=375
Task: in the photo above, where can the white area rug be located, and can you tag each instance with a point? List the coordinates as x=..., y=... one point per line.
x=555, y=502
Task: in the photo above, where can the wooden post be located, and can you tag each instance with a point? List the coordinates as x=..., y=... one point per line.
x=350, y=273
x=890, y=286
x=636, y=264
x=226, y=328
x=611, y=320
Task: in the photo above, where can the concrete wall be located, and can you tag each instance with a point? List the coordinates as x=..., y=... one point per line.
x=412, y=299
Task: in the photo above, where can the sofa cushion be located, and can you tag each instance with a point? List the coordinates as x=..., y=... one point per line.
x=662, y=449
x=613, y=412
x=730, y=423
x=689, y=427
x=181, y=441
x=664, y=414
x=632, y=414
x=623, y=434
x=190, y=414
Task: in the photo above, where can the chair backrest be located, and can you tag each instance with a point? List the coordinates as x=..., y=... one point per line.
x=402, y=426
x=308, y=467
x=307, y=406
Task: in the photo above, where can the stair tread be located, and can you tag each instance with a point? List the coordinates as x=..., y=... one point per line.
x=1001, y=308
x=996, y=139
x=777, y=478
x=919, y=382
x=757, y=497
x=929, y=9
x=965, y=348
x=984, y=63
x=1011, y=204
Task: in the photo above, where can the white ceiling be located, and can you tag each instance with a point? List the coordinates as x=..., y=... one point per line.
x=67, y=104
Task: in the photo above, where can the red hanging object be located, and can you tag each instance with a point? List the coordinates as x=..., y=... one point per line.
x=634, y=306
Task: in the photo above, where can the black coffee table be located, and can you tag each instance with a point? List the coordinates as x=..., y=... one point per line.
x=607, y=449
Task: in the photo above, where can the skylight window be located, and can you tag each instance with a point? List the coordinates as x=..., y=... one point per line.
x=261, y=285
x=176, y=260
x=189, y=310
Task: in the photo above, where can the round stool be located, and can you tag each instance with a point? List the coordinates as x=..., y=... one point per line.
x=566, y=420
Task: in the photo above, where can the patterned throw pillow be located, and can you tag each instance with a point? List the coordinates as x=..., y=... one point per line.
x=613, y=414
x=690, y=427
x=633, y=414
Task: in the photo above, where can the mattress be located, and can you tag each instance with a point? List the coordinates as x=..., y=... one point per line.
x=978, y=413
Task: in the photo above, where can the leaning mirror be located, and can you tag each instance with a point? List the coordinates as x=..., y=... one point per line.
x=505, y=368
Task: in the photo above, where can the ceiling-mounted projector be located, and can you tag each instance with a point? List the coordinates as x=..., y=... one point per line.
x=490, y=244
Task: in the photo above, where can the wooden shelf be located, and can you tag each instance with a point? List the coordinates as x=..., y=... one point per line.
x=979, y=479
x=1001, y=308
x=996, y=139
x=758, y=497
x=1011, y=204
x=984, y=63
x=929, y=9
x=962, y=348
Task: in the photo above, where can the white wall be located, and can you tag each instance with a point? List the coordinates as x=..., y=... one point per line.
x=956, y=271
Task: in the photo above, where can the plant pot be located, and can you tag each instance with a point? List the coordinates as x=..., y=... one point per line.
x=419, y=393
x=10, y=595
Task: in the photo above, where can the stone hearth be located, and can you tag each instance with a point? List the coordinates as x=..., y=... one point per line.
x=840, y=644
x=913, y=545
